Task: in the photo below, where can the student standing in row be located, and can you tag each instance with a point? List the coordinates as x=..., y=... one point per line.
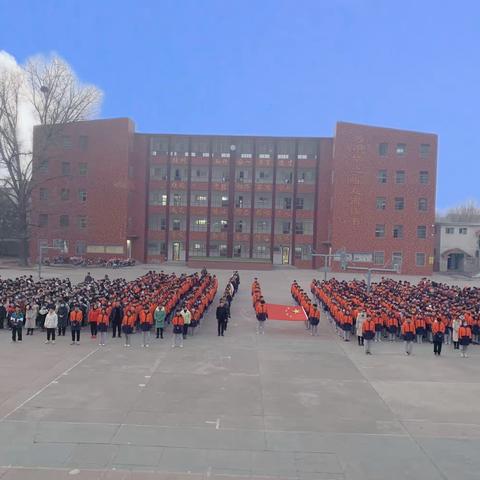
x=146, y=322
x=177, y=323
x=127, y=324
x=368, y=331
x=438, y=333
x=361, y=317
x=408, y=334
x=76, y=317
x=16, y=323
x=464, y=338
x=159, y=316
x=102, y=325
x=62, y=314
x=31, y=318
x=51, y=323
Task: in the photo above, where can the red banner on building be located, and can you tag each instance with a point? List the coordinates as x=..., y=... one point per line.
x=286, y=312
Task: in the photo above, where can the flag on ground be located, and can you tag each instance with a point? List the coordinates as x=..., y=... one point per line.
x=286, y=312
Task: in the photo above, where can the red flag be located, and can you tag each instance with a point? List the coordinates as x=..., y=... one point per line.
x=286, y=312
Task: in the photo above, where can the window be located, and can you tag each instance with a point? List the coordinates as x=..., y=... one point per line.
x=43, y=166
x=198, y=249
x=449, y=230
x=82, y=195
x=397, y=258
x=423, y=177
x=82, y=221
x=399, y=203
x=177, y=200
x=158, y=172
x=382, y=176
x=60, y=244
x=307, y=149
x=379, y=258
x=401, y=149
x=65, y=168
x=383, y=149
x=201, y=174
x=286, y=228
x=420, y=259
x=83, y=142
x=380, y=231
x=158, y=198
x=400, y=176
x=176, y=224
x=424, y=149
x=156, y=222
x=153, y=248
x=263, y=226
x=43, y=220
x=82, y=168
x=80, y=247
x=261, y=251
x=64, y=221
x=299, y=228
x=398, y=231
x=422, y=204
x=239, y=202
x=287, y=203
x=263, y=202
x=43, y=194
x=381, y=203
x=200, y=199
x=64, y=194
x=299, y=203
x=200, y=225
x=298, y=253
x=239, y=226
x=421, y=231
x=67, y=141
x=463, y=230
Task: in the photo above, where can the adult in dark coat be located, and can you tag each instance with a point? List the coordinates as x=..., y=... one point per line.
x=222, y=317
x=62, y=313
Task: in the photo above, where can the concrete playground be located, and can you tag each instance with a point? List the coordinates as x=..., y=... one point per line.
x=283, y=405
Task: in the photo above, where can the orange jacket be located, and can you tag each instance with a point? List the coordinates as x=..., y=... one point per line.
x=178, y=320
x=146, y=317
x=464, y=332
x=129, y=319
x=408, y=327
x=368, y=326
x=76, y=316
x=102, y=318
x=438, y=327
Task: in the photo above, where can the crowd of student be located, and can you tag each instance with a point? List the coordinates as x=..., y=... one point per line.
x=311, y=309
x=223, y=310
x=259, y=305
x=393, y=310
x=146, y=303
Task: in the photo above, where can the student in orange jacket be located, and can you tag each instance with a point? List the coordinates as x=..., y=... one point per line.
x=408, y=333
x=368, y=333
x=314, y=319
x=464, y=337
x=128, y=324
x=103, y=319
x=76, y=317
x=438, y=333
x=262, y=315
x=146, y=322
x=177, y=323
x=92, y=320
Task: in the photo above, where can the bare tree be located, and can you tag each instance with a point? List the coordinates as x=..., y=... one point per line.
x=466, y=212
x=48, y=92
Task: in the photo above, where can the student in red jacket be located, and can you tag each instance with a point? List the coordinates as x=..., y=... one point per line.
x=102, y=322
x=177, y=323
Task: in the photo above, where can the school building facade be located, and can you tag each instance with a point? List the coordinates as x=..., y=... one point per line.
x=238, y=201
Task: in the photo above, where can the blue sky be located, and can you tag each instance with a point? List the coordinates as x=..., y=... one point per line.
x=284, y=67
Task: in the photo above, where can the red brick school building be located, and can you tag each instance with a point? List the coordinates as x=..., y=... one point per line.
x=105, y=190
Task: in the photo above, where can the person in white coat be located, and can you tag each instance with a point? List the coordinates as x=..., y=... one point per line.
x=51, y=323
x=31, y=318
x=456, y=324
x=361, y=317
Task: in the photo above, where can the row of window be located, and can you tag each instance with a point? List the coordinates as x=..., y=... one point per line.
x=397, y=258
x=65, y=168
x=398, y=231
x=461, y=230
x=399, y=203
x=401, y=149
x=219, y=199
x=64, y=194
x=242, y=175
x=224, y=146
x=400, y=177
x=158, y=223
x=63, y=221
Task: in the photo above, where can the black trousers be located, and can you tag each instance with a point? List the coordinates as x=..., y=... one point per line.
x=437, y=347
x=50, y=333
x=221, y=327
x=17, y=331
x=61, y=331
x=185, y=330
x=93, y=328
x=456, y=345
x=160, y=332
x=75, y=333
x=360, y=339
x=117, y=327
